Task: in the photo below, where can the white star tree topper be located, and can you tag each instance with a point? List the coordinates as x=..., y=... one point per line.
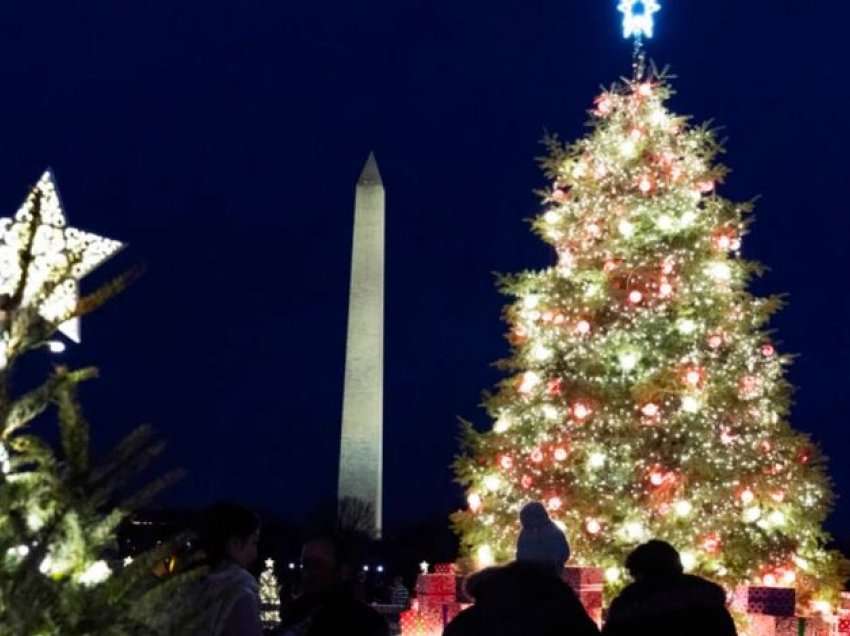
x=61, y=256
x=638, y=17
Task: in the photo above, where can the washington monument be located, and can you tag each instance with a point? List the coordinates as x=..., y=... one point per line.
x=361, y=449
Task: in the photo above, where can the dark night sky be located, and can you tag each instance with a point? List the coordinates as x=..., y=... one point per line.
x=223, y=140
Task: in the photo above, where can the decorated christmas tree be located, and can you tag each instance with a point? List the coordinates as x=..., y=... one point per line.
x=269, y=596
x=60, y=572
x=645, y=395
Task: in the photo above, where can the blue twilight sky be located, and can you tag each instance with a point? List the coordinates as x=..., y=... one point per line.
x=222, y=141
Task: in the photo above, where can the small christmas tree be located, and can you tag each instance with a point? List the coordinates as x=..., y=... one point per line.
x=646, y=397
x=269, y=596
x=59, y=509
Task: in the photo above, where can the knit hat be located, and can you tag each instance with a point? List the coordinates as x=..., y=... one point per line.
x=540, y=540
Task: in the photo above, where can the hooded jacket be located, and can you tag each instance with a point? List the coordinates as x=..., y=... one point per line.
x=230, y=599
x=521, y=598
x=540, y=540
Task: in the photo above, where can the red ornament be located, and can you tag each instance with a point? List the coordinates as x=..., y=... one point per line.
x=645, y=89
x=635, y=296
x=537, y=455
x=583, y=327
x=650, y=409
x=581, y=411
x=554, y=503
x=767, y=350
x=593, y=526
x=506, y=462
x=560, y=195
x=706, y=186
x=646, y=184
x=711, y=543
x=526, y=482
x=555, y=387
x=604, y=105
x=715, y=341
x=560, y=454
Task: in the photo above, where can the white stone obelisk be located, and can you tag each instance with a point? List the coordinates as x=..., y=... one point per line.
x=361, y=449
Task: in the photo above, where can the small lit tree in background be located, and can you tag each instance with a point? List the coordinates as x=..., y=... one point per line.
x=269, y=596
x=646, y=397
x=59, y=509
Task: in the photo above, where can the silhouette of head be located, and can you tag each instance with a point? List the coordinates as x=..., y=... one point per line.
x=654, y=558
x=540, y=541
x=231, y=533
x=326, y=561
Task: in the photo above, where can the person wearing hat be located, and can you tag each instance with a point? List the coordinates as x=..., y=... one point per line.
x=526, y=596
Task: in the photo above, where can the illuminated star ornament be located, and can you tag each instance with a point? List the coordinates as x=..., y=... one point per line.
x=638, y=20
x=61, y=255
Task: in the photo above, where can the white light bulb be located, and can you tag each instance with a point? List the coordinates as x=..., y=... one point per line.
x=719, y=271
x=665, y=223
x=530, y=380
x=629, y=360
x=688, y=560
x=690, y=404
x=56, y=346
x=683, y=508
x=531, y=301
x=752, y=514
x=686, y=326
x=613, y=574
x=628, y=149
x=776, y=518
x=634, y=531
x=96, y=573
x=596, y=460
x=541, y=352
x=502, y=424
x=492, y=483
x=688, y=218
x=551, y=412
x=552, y=217
x=626, y=228
x=474, y=501
x=484, y=556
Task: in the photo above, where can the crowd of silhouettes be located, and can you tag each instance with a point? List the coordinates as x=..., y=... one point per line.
x=525, y=597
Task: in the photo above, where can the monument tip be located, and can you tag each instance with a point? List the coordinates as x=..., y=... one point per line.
x=370, y=174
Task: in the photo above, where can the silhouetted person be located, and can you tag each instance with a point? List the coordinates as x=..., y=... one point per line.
x=540, y=540
x=229, y=594
x=399, y=594
x=527, y=596
x=664, y=601
x=327, y=606
x=521, y=598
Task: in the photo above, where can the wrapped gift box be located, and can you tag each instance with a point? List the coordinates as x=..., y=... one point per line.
x=845, y=601
x=581, y=577
x=436, y=601
x=764, y=625
x=418, y=623
x=429, y=584
x=844, y=625
x=771, y=601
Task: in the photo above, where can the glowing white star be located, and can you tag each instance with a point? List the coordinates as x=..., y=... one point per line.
x=61, y=255
x=638, y=20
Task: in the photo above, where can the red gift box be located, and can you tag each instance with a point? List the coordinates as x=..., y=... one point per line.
x=445, y=568
x=591, y=599
x=436, y=601
x=844, y=603
x=844, y=625
x=441, y=584
x=418, y=623
x=580, y=577
x=771, y=601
